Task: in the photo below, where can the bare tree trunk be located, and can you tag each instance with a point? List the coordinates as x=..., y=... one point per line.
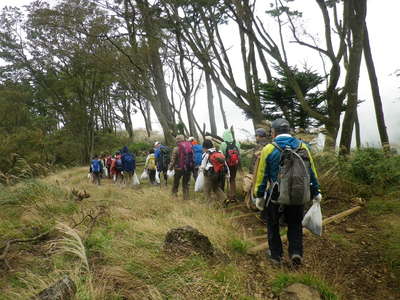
x=210, y=104
x=358, y=11
x=358, y=133
x=380, y=118
x=221, y=107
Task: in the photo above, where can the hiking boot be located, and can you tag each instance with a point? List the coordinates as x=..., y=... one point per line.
x=296, y=260
x=275, y=261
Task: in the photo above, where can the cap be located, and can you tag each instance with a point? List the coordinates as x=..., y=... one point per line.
x=190, y=139
x=280, y=125
x=179, y=138
x=261, y=132
x=156, y=143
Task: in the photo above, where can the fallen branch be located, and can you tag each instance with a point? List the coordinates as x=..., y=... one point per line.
x=326, y=221
x=3, y=256
x=243, y=216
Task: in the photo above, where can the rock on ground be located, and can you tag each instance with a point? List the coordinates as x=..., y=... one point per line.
x=64, y=289
x=299, y=291
x=188, y=240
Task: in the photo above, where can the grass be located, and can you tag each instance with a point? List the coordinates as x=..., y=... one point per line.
x=283, y=280
x=121, y=255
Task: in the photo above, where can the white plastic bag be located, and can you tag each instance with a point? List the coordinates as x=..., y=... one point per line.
x=105, y=172
x=259, y=203
x=199, y=184
x=144, y=175
x=313, y=219
x=135, y=180
x=157, y=176
x=170, y=173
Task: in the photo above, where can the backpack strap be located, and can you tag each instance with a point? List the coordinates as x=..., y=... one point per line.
x=277, y=146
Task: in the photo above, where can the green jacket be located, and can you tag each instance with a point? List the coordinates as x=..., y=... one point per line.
x=228, y=138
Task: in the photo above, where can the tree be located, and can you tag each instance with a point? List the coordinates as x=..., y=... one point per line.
x=279, y=99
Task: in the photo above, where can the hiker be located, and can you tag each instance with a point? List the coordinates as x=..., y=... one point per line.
x=283, y=163
x=163, y=158
x=215, y=169
x=231, y=149
x=262, y=139
x=128, y=165
x=108, y=165
x=96, y=169
x=198, y=156
x=116, y=167
x=150, y=166
x=183, y=164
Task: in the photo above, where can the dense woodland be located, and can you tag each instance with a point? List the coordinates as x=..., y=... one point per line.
x=75, y=75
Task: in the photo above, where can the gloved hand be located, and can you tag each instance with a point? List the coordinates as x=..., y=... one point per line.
x=317, y=198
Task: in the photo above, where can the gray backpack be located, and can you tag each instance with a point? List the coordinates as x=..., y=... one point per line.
x=293, y=182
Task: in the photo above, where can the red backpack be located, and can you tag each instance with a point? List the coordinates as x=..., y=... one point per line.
x=217, y=159
x=232, y=154
x=185, y=156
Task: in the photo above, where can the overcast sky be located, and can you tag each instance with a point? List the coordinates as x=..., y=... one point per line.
x=383, y=23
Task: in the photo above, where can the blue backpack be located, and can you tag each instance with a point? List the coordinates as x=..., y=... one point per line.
x=96, y=166
x=198, y=154
x=128, y=162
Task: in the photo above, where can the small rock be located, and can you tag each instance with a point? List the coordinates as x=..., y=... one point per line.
x=350, y=230
x=299, y=291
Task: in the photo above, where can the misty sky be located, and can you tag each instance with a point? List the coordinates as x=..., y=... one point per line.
x=383, y=23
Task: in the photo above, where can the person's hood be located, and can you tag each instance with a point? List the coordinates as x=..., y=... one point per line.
x=287, y=140
x=227, y=136
x=125, y=149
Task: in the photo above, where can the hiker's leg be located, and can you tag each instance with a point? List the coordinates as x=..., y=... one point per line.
x=195, y=173
x=218, y=181
x=232, y=182
x=294, y=216
x=177, y=178
x=185, y=184
x=152, y=176
x=274, y=237
x=165, y=176
x=207, y=188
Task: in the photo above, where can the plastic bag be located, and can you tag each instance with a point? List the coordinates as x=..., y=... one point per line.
x=170, y=173
x=199, y=184
x=259, y=202
x=157, y=176
x=313, y=219
x=105, y=172
x=135, y=180
x=144, y=175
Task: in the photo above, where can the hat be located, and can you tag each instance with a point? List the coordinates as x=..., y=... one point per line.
x=157, y=143
x=281, y=125
x=208, y=144
x=179, y=138
x=261, y=132
x=190, y=139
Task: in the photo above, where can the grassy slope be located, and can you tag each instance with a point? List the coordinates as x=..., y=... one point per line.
x=124, y=248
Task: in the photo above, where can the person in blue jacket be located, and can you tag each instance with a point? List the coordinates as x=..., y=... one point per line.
x=128, y=165
x=197, y=156
x=267, y=175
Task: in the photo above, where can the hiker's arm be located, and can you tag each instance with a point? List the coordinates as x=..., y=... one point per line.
x=315, y=187
x=173, y=158
x=262, y=176
x=134, y=162
x=147, y=161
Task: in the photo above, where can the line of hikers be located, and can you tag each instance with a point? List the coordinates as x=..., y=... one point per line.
x=282, y=178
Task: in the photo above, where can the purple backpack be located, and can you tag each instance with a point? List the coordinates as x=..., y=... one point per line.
x=185, y=156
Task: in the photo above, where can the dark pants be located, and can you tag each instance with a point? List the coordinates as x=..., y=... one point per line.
x=96, y=177
x=195, y=173
x=293, y=216
x=185, y=175
x=163, y=173
x=152, y=176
